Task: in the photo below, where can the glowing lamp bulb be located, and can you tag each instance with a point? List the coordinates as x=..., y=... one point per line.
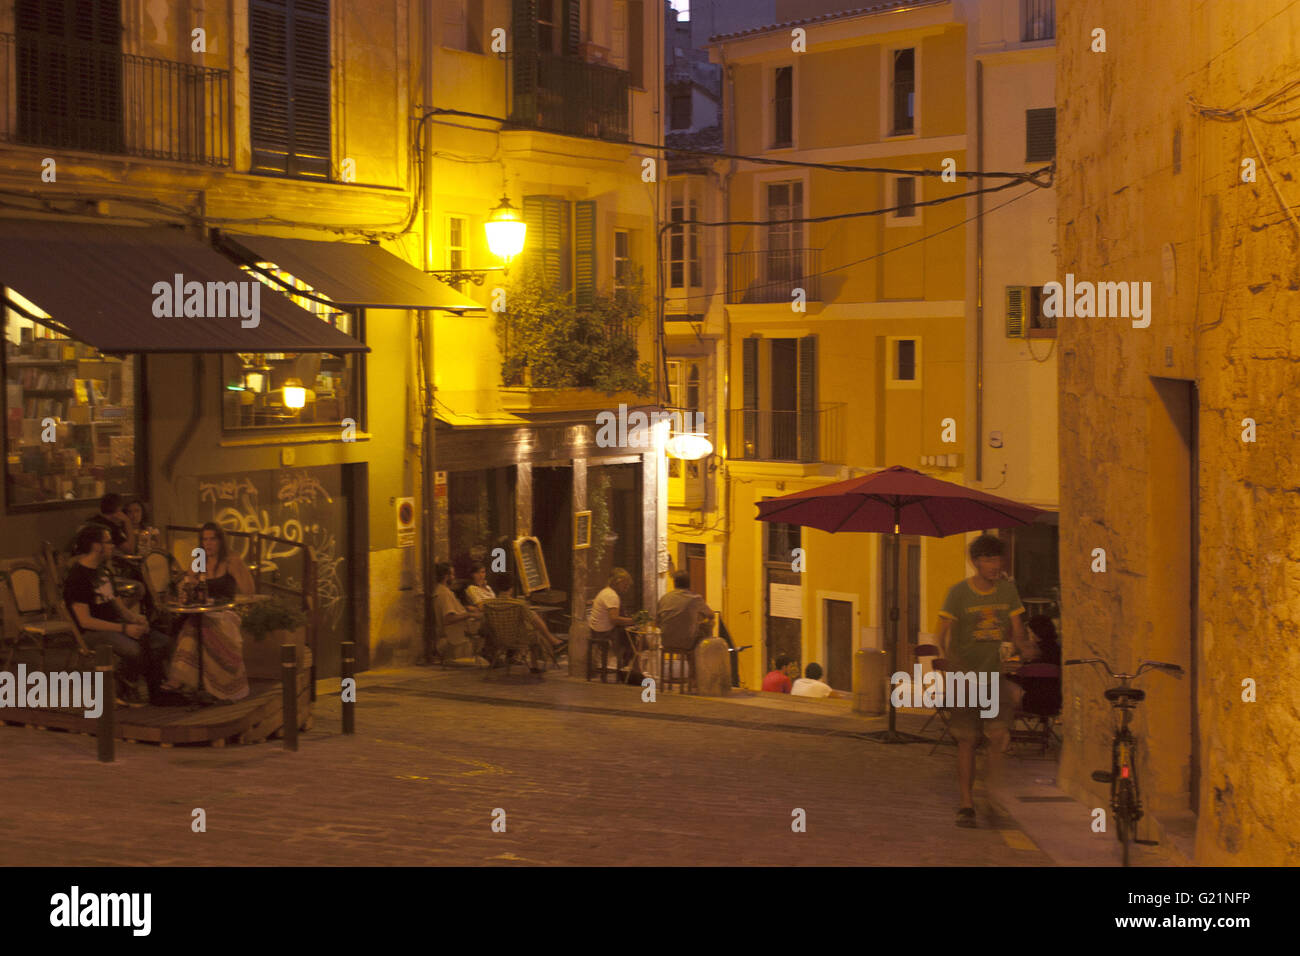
x=505, y=231
x=690, y=446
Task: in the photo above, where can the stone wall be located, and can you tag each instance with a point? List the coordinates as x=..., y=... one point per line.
x=1150, y=190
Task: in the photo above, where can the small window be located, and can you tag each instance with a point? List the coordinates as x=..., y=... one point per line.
x=680, y=114
x=903, y=356
x=903, y=85
x=622, y=259
x=1040, y=135
x=903, y=199
x=1040, y=325
x=783, y=108
x=684, y=244
x=905, y=360
x=457, y=253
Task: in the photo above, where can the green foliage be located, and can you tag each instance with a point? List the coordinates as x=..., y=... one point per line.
x=263, y=617
x=563, y=345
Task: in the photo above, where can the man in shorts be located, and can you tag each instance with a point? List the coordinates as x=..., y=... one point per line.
x=980, y=613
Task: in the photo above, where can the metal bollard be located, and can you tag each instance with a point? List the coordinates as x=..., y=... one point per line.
x=349, y=706
x=289, y=687
x=106, y=731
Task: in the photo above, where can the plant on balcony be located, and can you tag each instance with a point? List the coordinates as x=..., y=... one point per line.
x=548, y=341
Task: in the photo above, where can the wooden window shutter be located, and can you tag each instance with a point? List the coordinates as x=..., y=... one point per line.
x=572, y=27
x=808, y=398
x=309, y=80
x=289, y=86
x=268, y=84
x=1040, y=135
x=636, y=42
x=523, y=61
x=547, y=218
x=749, y=396
x=584, y=252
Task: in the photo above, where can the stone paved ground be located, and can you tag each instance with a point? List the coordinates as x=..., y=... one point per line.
x=586, y=774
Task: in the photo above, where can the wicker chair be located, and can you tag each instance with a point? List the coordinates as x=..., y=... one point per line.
x=507, y=619
x=28, y=620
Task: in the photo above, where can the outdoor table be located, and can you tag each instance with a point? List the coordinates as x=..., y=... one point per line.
x=647, y=649
x=197, y=611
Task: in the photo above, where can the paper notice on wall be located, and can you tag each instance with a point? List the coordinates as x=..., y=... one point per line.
x=785, y=600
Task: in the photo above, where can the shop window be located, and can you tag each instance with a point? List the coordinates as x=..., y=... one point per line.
x=71, y=415
x=288, y=389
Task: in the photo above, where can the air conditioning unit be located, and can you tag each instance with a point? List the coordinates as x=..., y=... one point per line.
x=1017, y=311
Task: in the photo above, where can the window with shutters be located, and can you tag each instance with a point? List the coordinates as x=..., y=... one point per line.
x=784, y=236
x=549, y=246
x=636, y=42
x=780, y=419
x=289, y=87
x=684, y=266
x=69, y=74
x=618, y=35
x=1040, y=135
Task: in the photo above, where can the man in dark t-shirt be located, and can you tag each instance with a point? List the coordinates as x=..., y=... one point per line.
x=94, y=605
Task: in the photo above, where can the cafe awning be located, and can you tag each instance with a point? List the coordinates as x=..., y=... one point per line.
x=350, y=273
x=129, y=289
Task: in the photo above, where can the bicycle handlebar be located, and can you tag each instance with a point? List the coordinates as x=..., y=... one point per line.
x=1172, y=669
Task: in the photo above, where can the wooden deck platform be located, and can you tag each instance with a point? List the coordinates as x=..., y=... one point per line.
x=258, y=717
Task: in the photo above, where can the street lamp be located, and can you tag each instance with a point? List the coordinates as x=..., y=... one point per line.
x=505, y=231
x=690, y=446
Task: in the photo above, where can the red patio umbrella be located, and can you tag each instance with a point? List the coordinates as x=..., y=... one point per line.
x=896, y=501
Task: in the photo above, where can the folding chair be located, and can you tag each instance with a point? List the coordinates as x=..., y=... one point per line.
x=944, y=713
x=508, y=620
x=28, y=621
x=921, y=652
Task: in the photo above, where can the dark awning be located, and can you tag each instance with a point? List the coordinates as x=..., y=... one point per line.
x=350, y=273
x=98, y=282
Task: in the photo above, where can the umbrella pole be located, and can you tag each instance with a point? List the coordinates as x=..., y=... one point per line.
x=892, y=736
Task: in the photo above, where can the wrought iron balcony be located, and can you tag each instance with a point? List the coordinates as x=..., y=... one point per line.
x=92, y=97
x=1038, y=19
x=795, y=436
x=772, y=275
x=566, y=95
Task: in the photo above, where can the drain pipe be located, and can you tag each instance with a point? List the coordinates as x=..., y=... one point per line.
x=979, y=277
x=191, y=425
x=728, y=105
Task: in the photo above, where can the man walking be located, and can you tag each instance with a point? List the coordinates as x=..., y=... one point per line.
x=980, y=613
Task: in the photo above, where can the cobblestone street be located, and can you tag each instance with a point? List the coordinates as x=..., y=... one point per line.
x=586, y=774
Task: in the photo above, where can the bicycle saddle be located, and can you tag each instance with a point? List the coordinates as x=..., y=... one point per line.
x=1119, y=693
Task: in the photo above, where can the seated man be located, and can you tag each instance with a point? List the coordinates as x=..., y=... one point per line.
x=812, y=685
x=103, y=618
x=455, y=644
x=683, y=618
x=503, y=585
x=778, y=679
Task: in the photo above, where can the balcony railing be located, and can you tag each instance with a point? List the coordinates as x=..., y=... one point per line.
x=772, y=275
x=1039, y=20
x=91, y=97
x=565, y=95
x=794, y=436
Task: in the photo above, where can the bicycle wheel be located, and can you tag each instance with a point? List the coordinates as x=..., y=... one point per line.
x=1125, y=806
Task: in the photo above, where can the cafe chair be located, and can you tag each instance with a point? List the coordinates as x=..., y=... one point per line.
x=159, y=570
x=508, y=621
x=943, y=713
x=28, y=621
x=1034, y=724
x=931, y=651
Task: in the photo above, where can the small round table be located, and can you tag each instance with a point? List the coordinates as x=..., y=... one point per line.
x=197, y=611
x=646, y=650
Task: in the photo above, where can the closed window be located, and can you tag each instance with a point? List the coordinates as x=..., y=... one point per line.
x=684, y=265
x=902, y=197
x=562, y=244
x=784, y=236
x=783, y=107
x=622, y=260
x=457, y=250
x=1040, y=135
x=905, y=360
x=903, y=92
x=289, y=87
x=680, y=111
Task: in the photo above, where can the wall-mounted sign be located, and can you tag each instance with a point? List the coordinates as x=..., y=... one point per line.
x=531, y=564
x=785, y=600
x=581, y=530
x=405, y=522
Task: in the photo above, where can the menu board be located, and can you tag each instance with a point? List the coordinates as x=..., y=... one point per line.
x=531, y=564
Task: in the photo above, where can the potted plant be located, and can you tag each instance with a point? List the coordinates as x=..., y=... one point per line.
x=266, y=626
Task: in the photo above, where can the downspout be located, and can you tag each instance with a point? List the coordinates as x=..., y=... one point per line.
x=979, y=277
x=192, y=424
x=425, y=339
x=728, y=104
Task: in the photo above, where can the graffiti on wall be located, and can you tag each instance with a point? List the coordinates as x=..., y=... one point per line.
x=293, y=504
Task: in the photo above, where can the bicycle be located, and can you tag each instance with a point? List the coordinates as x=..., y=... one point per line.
x=1125, y=795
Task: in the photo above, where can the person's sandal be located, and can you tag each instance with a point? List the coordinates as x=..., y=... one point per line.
x=966, y=817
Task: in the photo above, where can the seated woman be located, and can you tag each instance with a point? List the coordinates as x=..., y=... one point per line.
x=224, y=675
x=478, y=590
x=147, y=537
x=1040, y=695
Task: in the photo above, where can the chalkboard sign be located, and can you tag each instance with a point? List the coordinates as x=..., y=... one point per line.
x=581, y=530
x=531, y=564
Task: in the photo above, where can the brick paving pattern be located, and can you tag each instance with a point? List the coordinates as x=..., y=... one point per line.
x=585, y=774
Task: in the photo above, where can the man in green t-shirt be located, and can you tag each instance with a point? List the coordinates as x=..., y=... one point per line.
x=979, y=614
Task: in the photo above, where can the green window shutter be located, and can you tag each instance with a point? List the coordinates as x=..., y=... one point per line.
x=808, y=398
x=547, y=218
x=268, y=85
x=289, y=86
x=523, y=61
x=584, y=251
x=572, y=27
x=309, y=80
